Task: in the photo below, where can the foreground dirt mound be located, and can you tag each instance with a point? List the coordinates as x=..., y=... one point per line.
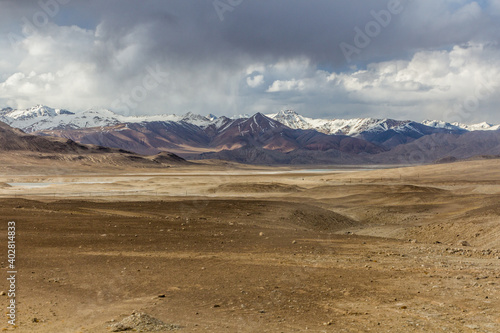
x=348, y=189
x=486, y=211
x=415, y=188
x=256, y=188
x=261, y=213
x=319, y=219
x=258, y=213
x=478, y=234
x=141, y=322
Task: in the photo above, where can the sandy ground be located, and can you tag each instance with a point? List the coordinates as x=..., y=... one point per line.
x=226, y=248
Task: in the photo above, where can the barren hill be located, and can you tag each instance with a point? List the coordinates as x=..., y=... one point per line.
x=18, y=148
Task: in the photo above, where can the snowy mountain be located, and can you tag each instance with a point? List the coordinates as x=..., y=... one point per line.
x=385, y=132
x=356, y=126
x=470, y=128
x=350, y=127
x=42, y=118
x=276, y=138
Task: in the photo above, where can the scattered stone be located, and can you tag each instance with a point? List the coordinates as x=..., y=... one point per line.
x=141, y=322
x=463, y=243
x=35, y=320
x=261, y=233
x=294, y=242
x=162, y=296
x=2, y=293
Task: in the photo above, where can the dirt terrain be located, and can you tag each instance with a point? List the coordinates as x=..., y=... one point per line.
x=228, y=248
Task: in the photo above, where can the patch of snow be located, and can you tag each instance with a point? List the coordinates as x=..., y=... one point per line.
x=484, y=126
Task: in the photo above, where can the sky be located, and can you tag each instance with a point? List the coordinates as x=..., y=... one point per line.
x=401, y=59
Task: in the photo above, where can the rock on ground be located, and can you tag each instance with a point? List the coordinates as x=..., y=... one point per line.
x=141, y=322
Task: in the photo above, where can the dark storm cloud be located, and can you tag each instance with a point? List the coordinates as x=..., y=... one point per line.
x=273, y=29
x=281, y=29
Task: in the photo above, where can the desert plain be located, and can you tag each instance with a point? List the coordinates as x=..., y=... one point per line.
x=222, y=247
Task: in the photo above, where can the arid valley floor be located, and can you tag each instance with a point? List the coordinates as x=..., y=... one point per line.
x=229, y=248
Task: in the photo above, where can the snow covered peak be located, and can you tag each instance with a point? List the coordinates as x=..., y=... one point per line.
x=287, y=113
x=201, y=121
x=42, y=117
x=28, y=119
x=196, y=119
x=258, y=123
x=439, y=124
x=190, y=115
x=356, y=126
x=484, y=126
x=36, y=112
x=351, y=127
x=292, y=119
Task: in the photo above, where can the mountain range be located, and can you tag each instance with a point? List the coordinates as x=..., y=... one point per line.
x=27, y=149
x=281, y=138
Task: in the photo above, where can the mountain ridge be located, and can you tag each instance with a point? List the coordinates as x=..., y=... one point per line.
x=40, y=118
x=15, y=143
x=284, y=137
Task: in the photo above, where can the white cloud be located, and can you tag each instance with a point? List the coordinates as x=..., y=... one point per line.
x=288, y=85
x=255, y=68
x=429, y=79
x=74, y=68
x=255, y=81
x=432, y=84
x=437, y=70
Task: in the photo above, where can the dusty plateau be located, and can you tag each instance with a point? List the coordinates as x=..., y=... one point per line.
x=221, y=247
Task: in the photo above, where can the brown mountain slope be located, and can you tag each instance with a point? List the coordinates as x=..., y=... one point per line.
x=434, y=147
x=12, y=139
x=257, y=132
x=19, y=147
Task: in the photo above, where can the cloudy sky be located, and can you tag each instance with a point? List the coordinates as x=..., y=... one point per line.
x=404, y=59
